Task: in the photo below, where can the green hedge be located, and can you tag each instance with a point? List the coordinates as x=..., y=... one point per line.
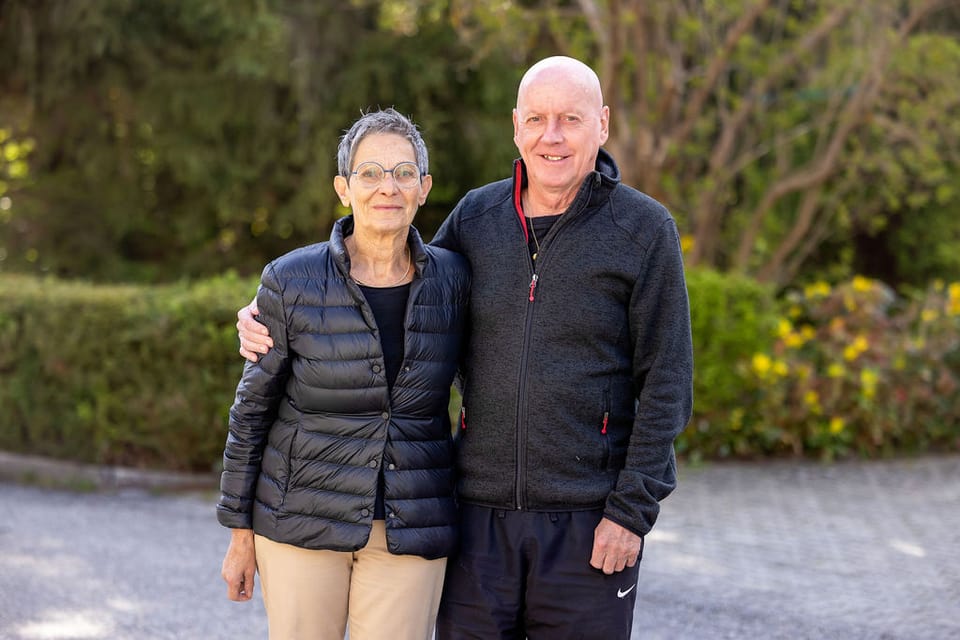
x=733, y=317
x=129, y=375
x=144, y=376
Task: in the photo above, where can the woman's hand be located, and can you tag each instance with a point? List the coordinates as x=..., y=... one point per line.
x=240, y=565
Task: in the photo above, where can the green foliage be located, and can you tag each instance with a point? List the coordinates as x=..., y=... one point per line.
x=144, y=375
x=130, y=375
x=732, y=317
x=906, y=216
x=184, y=138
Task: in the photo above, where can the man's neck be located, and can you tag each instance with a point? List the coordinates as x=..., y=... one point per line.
x=539, y=203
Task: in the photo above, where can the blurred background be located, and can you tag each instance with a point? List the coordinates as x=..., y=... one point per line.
x=155, y=155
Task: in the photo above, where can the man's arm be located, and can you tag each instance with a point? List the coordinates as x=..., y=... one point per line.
x=663, y=369
x=254, y=336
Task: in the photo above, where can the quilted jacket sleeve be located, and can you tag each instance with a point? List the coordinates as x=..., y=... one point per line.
x=254, y=409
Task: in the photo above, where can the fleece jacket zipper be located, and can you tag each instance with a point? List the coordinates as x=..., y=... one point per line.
x=524, y=351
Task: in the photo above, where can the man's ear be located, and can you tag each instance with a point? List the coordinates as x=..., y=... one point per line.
x=604, y=124
x=516, y=127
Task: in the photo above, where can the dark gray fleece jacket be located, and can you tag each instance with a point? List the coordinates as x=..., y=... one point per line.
x=578, y=374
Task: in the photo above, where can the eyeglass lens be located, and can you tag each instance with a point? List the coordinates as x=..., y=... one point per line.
x=371, y=174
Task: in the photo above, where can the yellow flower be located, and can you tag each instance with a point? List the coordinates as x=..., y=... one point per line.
x=784, y=328
x=793, y=340
x=868, y=380
x=686, y=243
x=812, y=400
x=761, y=364
x=808, y=332
x=780, y=368
x=854, y=349
x=862, y=284
x=835, y=370
x=794, y=311
x=836, y=425
x=929, y=315
x=953, y=299
x=817, y=290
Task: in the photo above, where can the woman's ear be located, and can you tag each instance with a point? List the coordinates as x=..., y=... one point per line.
x=426, y=183
x=342, y=187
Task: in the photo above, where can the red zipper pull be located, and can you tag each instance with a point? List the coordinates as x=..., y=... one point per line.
x=606, y=417
x=533, y=285
x=463, y=418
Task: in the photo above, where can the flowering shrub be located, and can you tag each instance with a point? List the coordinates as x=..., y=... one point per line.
x=855, y=370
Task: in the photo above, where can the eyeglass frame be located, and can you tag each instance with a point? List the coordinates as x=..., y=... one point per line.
x=420, y=174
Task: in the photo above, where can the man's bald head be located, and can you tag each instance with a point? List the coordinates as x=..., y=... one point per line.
x=571, y=71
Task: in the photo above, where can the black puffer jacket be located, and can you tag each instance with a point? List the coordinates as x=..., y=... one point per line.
x=313, y=421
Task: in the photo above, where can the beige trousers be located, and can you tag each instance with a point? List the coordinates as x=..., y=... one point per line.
x=313, y=595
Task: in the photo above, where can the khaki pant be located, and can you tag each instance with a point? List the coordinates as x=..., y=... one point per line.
x=312, y=595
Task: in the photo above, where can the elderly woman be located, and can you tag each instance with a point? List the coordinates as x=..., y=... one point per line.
x=338, y=480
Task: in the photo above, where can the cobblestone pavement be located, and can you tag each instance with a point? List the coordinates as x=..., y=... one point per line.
x=805, y=550
x=864, y=550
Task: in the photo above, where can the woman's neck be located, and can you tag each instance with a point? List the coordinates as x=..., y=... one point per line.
x=379, y=261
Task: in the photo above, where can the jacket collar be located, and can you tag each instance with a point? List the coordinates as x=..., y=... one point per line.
x=343, y=227
x=597, y=185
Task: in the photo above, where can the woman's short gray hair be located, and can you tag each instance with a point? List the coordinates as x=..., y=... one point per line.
x=375, y=122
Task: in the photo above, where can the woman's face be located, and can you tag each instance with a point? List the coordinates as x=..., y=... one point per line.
x=386, y=209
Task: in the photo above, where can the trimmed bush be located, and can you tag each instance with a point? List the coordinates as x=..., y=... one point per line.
x=733, y=317
x=144, y=376
x=128, y=375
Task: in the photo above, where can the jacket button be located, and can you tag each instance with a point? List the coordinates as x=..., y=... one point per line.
x=391, y=515
x=364, y=512
x=372, y=464
x=377, y=368
x=385, y=415
x=391, y=466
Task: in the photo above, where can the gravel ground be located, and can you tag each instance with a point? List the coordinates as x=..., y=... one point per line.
x=864, y=550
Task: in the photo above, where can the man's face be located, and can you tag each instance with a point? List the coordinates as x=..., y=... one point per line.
x=559, y=125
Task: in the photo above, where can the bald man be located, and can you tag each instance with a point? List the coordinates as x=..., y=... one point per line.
x=577, y=379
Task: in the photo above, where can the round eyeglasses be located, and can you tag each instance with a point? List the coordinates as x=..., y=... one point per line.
x=371, y=174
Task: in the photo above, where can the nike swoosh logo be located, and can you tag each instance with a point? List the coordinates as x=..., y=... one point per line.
x=621, y=594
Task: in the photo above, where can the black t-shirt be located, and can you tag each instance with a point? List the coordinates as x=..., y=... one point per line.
x=389, y=306
x=537, y=229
